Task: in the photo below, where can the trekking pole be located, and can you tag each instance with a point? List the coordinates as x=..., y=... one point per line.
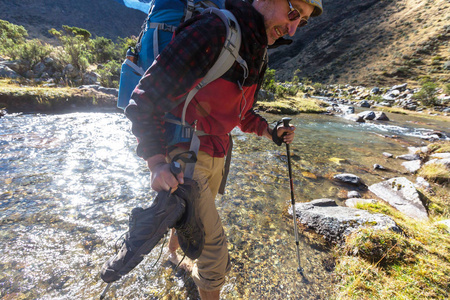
x=291, y=183
x=102, y=296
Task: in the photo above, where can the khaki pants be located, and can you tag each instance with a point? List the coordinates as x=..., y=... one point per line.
x=214, y=263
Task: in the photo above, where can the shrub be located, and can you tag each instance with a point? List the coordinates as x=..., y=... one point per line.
x=317, y=87
x=75, y=31
x=269, y=81
x=380, y=246
x=104, y=50
x=10, y=36
x=33, y=51
x=75, y=47
x=427, y=94
x=110, y=74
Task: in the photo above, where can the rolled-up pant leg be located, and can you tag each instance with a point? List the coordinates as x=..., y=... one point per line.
x=214, y=263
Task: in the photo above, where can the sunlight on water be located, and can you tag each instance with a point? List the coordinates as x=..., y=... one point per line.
x=68, y=183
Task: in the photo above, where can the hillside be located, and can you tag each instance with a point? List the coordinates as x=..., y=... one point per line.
x=371, y=42
x=105, y=18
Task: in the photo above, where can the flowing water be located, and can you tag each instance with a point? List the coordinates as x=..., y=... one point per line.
x=68, y=182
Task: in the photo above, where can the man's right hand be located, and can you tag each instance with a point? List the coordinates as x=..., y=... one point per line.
x=162, y=179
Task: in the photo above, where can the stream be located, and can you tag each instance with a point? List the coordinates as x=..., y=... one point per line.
x=69, y=181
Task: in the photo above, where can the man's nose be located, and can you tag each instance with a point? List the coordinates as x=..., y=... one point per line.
x=293, y=25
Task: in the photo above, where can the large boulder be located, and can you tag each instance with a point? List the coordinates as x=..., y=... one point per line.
x=19, y=66
x=367, y=115
x=91, y=78
x=400, y=193
x=364, y=103
x=7, y=72
x=381, y=116
x=335, y=222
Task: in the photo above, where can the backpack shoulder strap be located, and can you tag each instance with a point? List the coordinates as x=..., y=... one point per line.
x=227, y=57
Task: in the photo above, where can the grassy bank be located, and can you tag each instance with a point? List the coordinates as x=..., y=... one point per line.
x=412, y=265
x=21, y=98
x=292, y=105
x=428, y=114
x=18, y=98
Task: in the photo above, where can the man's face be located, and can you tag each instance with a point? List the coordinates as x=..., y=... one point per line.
x=276, y=18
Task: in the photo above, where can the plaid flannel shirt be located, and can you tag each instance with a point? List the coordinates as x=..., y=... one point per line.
x=218, y=107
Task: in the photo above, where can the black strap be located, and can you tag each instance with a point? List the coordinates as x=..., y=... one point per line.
x=186, y=157
x=226, y=168
x=277, y=140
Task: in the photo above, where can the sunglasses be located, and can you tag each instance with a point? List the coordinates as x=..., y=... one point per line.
x=294, y=15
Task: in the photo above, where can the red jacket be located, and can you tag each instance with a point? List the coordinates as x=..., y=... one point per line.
x=218, y=107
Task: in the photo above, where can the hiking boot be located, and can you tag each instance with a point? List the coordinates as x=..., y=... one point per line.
x=146, y=228
x=190, y=231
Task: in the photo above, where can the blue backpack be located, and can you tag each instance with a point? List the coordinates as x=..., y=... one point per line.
x=157, y=31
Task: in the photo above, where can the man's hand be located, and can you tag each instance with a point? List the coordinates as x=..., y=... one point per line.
x=162, y=179
x=286, y=133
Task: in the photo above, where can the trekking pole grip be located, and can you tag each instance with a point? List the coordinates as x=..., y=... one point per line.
x=286, y=121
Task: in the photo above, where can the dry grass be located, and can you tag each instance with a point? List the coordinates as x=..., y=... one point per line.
x=292, y=105
x=412, y=265
x=433, y=115
x=388, y=265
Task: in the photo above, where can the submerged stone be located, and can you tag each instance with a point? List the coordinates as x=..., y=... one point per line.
x=348, y=178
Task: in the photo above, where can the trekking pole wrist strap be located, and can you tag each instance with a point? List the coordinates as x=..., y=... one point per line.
x=275, y=138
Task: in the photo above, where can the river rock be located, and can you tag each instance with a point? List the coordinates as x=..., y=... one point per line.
x=7, y=72
x=70, y=71
x=412, y=166
x=422, y=183
x=265, y=95
x=109, y=91
x=381, y=116
x=401, y=194
x=388, y=155
x=91, y=78
x=367, y=115
x=352, y=202
x=335, y=222
x=353, y=194
x=354, y=117
x=385, y=103
x=376, y=91
x=400, y=88
x=378, y=167
x=39, y=69
x=348, y=178
x=19, y=66
x=364, y=103
x=409, y=157
x=350, y=110
x=440, y=155
x=416, y=150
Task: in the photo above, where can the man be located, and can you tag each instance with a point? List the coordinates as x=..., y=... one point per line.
x=216, y=109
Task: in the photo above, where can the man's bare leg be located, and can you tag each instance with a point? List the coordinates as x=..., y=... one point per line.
x=174, y=258
x=173, y=241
